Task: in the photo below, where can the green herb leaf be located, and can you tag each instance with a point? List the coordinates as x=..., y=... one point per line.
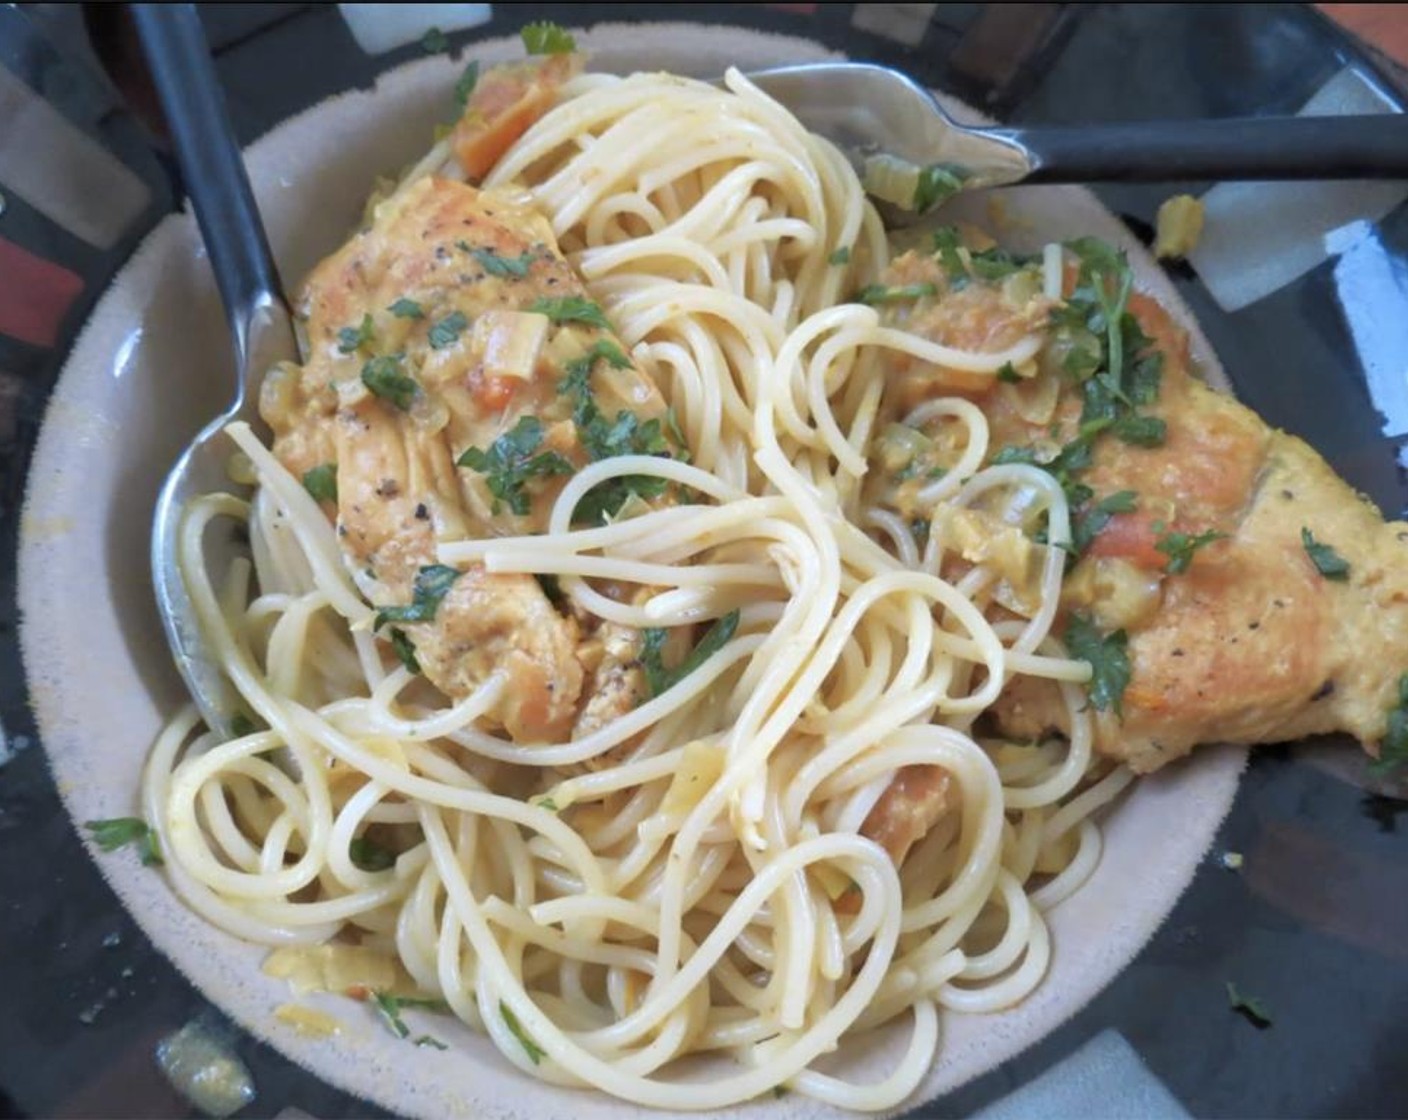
x=1140, y=430
x=387, y=380
x=431, y=1040
x=505, y=267
x=938, y=182
x=407, y=309
x=547, y=38
x=368, y=855
x=946, y=246
x=1011, y=454
x=995, y=264
x=661, y=679
x=404, y=649
x=434, y=41
x=350, y=339
x=1393, y=747
x=241, y=725
x=572, y=309
x=510, y=463
x=432, y=584
x=1094, y=518
x=1008, y=373
x=840, y=256
x=1108, y=657
x=390, y=1008
x=110, y=835
x=447, y=331
x=321, y=482
x=1249, y=1007
x=547, y=804
x=1180, y=548
x=1327, y=561
x=535, y=1052
x=469, y=78
x=874, y=295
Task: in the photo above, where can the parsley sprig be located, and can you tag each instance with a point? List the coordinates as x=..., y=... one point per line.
x=118, y=832
x=432, y=584
x=1180, y=548
x=386, y=378
x=512, y=461
x=571, y=309
x=1327, y=561
x=1393, y=747
x=658, y=677
x=547, y=38
x=1108, y=657
x=535, y=1052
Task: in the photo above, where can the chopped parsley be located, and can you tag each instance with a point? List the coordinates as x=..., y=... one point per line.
x=937, y=183
x=404, y=649
x=390, y=1008
x=386, y=379
x=547, y=38
x=571, y=309
x=368, y=855
x=495, y=264
x=432, y=584
x=875, y=294
x=512, y=461
x=1180, y=547
x=321, y=482
x=431, y=1040
x=1008, y=373
x=465, y=86
x=1327, y=561
x=840, y=256
x=407, y=309
x=1393, y=748
x=351, y=339
x=1140, y=430
x=241, y=725
x=1094, y=518
x=946, y=246
x=1249, y=1007
x=447, y=331
x=535, y=1052
x=118, y=832
x=661, y=679
x=995, y=263
x=604, y=438
x=434, y=41
x=547, y=804
x=1108, y=657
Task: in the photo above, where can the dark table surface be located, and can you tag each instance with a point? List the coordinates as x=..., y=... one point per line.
x=1316, y=920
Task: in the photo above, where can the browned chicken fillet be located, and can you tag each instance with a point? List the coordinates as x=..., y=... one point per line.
x=423, y=343
x=1248, y=643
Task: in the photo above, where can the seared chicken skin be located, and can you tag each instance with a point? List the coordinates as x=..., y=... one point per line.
x=1236, y=633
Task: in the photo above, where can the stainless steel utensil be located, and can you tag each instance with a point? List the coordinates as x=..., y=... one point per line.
x=260, y=323
x=884, y=120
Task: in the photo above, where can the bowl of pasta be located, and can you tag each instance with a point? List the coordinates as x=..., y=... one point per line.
x=699, y=651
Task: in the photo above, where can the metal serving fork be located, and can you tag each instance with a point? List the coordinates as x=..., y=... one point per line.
x=881, y=118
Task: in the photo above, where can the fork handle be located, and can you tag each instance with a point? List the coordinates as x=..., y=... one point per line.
x=1267, y=148
x=211, y=165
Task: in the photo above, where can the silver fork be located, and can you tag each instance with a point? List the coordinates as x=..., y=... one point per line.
x=894, y=131
x=260, y=324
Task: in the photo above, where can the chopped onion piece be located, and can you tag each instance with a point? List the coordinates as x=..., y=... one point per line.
x=510, y=342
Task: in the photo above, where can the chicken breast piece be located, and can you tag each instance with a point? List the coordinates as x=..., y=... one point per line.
x=450, y=326
x=1243, y=639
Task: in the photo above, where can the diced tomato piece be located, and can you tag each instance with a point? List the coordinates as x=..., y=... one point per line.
x=493, y=393
x=507, y=102
x=1130, y=536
